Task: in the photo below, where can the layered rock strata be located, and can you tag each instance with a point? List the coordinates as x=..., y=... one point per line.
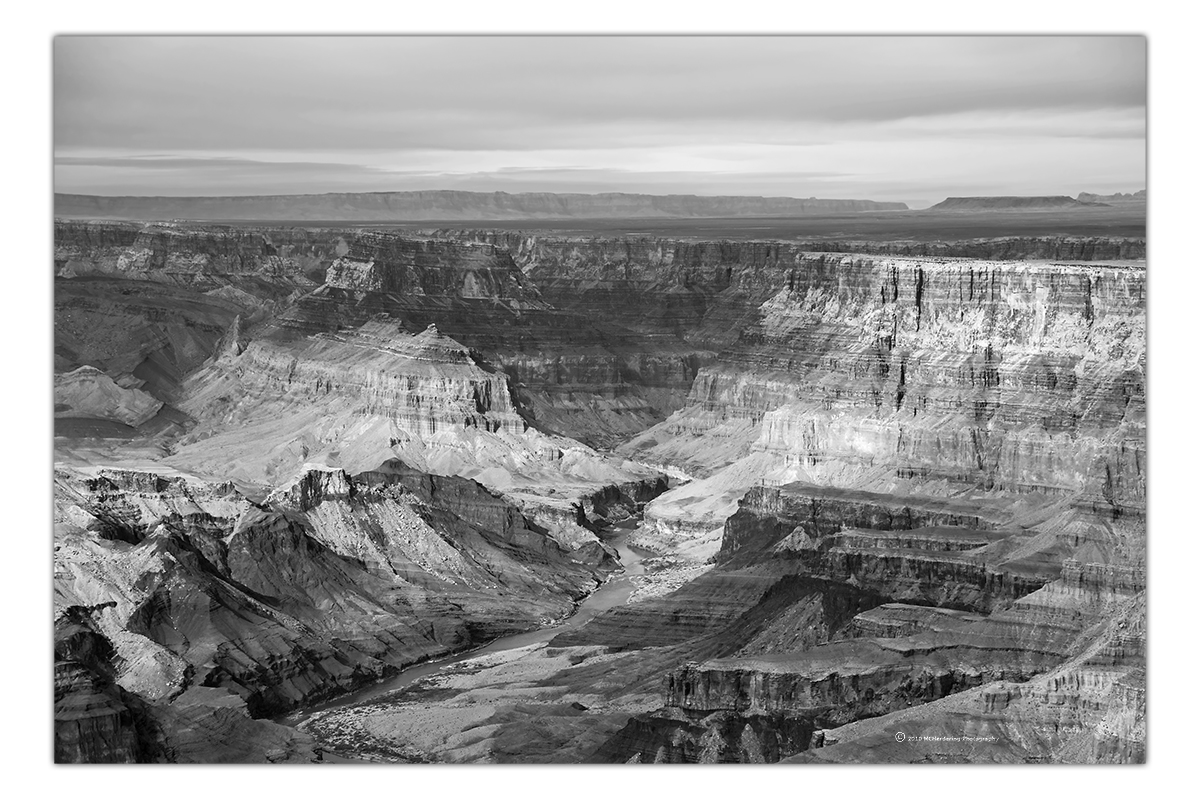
x=89, y=393
x=889, y=373
x=950, y=435
x=359, y=398
x=573, y=373
x=148, y=304
x=1071, y=654
x=178, y=600
x=206, y=257
x=976, y=605
x=920, y=480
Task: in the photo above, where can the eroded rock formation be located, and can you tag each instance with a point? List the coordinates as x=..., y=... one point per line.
x=179, y=597
x=908, y=478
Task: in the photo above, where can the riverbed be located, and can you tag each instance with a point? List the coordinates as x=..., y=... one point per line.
x=613, y=592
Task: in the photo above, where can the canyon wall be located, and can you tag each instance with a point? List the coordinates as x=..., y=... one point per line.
x=912, y=476
x=669, y=285
x=176, y=597
x=963, y=439
x=886, y=373
x=148, y=304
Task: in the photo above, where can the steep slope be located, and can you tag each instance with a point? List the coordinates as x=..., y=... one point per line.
x=89, y=393
x=359, y=398
x=951, y=532
x=175, y=296
x=890, y=374
x=918, y=505
x=967, y=437
x=573, y=373
x=148, y=304
x=176, y=598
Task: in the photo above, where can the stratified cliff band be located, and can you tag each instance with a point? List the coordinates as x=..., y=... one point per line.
x=890, y=496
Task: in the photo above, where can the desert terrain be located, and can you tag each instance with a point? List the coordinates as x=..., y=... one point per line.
x=735, y=482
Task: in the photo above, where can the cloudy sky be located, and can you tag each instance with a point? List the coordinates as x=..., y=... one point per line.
x=884, y=118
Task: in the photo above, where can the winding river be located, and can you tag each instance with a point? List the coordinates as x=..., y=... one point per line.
x=613, y=592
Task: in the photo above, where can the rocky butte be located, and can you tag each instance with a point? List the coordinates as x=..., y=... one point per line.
x=696, y=500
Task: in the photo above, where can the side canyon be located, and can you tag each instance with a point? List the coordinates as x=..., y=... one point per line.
x=459, y=495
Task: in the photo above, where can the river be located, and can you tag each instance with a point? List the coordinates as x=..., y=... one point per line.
x=613, y=592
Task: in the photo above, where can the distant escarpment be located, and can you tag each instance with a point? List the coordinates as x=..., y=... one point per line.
x=1118, y=199
x=1010, y=203
x=539, y=250
x=450, y=205
x=187, y=613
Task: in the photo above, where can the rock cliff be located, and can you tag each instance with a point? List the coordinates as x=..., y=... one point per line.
x=907, y=488
x=176, y=598
x=903, y=425
x=628, y=257
x=201, y=256
x=881, y=373
x=147, y=304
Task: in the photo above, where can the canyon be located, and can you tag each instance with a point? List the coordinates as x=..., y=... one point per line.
x=476, y=493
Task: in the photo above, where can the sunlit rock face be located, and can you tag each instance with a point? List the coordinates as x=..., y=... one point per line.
x=423, y=382
x=357, y=399
x=979, y=362
x=908, y=480
x=584, y=375
x=178, y=600
x=88, y=392
x=1011, y=362
x=954, y=434
x=881, y=373
x=672, y=286
x=424, y=351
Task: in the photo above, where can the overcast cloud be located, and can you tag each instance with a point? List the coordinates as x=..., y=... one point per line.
x=886, y=118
